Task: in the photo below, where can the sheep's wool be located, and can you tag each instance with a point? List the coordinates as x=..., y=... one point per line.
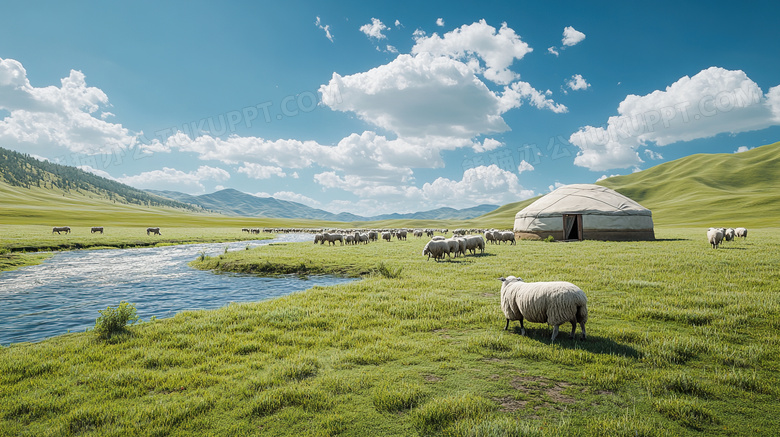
x=606, y=215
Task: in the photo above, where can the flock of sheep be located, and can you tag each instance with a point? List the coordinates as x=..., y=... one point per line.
x=717, y=235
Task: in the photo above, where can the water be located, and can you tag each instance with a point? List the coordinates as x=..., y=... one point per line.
x=66, y=292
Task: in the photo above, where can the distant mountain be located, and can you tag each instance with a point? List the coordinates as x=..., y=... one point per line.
x=234, y=202
x=24, y=171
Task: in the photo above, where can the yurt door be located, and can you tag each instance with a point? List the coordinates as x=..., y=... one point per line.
x=572, y=227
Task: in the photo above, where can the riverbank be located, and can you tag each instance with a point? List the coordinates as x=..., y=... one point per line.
x=682, y=340
x=20, y=245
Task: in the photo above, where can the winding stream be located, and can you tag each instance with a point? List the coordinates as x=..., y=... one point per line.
x=65, y=292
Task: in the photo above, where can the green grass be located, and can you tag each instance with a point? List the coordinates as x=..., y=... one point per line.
x=683, y=340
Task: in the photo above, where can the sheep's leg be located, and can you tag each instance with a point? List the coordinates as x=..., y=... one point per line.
x=573, y=328
x=582, y=325
x=555, y=333
x=507, y=325
x=522, y=328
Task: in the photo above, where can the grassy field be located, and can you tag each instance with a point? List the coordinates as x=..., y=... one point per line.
x=683, y=340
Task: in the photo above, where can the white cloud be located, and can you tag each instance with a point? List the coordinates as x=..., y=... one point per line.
x=524, y=166
x=96, y=171
x=487, y=145
x=260, y=194
x=653, y=155
x=605, y=177
x=374, y=29
x=577, y=82
x=418, y=96
x=295, y=197
x=555, y=186
x=572, y=36
x=328, y=35
x=172, y=179
x=398, y=24
x=711, y=102
x=258, y=171
x=515, y=94
x=49, y=118
x=498, y=49
x=743, y=149
x=391, y=49
x=552, y=51
x=440, y=22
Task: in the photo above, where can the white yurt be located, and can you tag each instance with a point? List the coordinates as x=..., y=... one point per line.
x=585, y=212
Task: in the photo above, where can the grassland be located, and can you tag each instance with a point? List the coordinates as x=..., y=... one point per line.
x=683, y=340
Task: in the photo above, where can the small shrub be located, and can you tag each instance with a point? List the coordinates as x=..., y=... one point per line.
x=226, y=249
x=202, y=257
x=114, y=320
x=549, y=239
x=395, y=396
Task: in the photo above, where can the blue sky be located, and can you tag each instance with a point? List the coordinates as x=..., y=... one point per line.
x=388, y=107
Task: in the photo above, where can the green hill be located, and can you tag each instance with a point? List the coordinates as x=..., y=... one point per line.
x=724, y=189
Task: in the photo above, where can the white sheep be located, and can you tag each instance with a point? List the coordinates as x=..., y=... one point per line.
x=436, y=249
x=507, y=236
x=454, y=246
x=729, y=234
x=554, y=303
x=740, y=232
x=474, y=242
x=438, y=238
x=715, y=236
x=332, y=238
x=387, y=236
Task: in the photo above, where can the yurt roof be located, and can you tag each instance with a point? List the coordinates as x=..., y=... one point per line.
x=586, y=199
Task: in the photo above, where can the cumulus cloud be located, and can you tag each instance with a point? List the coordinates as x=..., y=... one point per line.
x=515, y=94
x=440, y=22
x=398, y=23
x=487, y=145
x=258, y=171
x=606, y=177
x=96, y=171
x=552, y=51
x=711, y=102
x=328, y=35
x=741, y=149
x=391, y=49
x=653, y=154
x=577, y=82
x=172, y=179
x=374, y=29
x=52, y=117
x=497, y=49
x=572, y=36
x=295, y=197
x=524, y=166
x=555, y=186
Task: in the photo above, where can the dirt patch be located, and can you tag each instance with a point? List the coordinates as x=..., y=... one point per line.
x=488, y=294
x=556, y=393
x=510, y=404
x=544, y=388
x=494, y=377
x=432, y=378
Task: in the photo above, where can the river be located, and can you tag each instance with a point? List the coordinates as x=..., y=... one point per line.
x=66, y=291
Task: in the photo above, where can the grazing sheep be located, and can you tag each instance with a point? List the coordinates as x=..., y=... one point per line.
x=401, y=235
x=740, y=232
x=506, y=236
x=429, y=232
x=96, y=229
x=418, y=233
x=318, y=238
x=332, y=238
x=436, y=249
x=554, y=303
x=714, y=236
x=454, y=246
x=58, y=229
x=373, y=236
x=490, y=237
x=474, y=242
x=729, y=234
x=153, y=231
x=438, y=238
x=387, y=236
x=349, y=239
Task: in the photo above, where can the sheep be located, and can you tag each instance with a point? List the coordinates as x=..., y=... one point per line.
x=438, y=238
x=153, y=231
x=729, y=234
x=436, y=249
x=454, y=245
x=387, y=236
x=554, y=303
x=349, y=239
x=361, y=238
x=401, y=235
x=58, y=229
x=474, y=242
x=740, y=232
x=96, y=229
x=490, y=237
x=318, y=238
x=714, y=236
x=332, y=238
x=418, y=233
x=506, y=236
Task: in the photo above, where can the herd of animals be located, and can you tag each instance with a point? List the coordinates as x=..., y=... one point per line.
x=717, y=235
x=98, y=229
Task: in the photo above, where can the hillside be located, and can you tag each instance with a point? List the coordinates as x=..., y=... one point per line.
x=237, y=203
x=725, y=189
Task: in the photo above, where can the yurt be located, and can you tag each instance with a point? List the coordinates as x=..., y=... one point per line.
x=585, y=212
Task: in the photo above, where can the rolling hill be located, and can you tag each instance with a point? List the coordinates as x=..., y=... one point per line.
x=724, y=189
x=236, y=203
